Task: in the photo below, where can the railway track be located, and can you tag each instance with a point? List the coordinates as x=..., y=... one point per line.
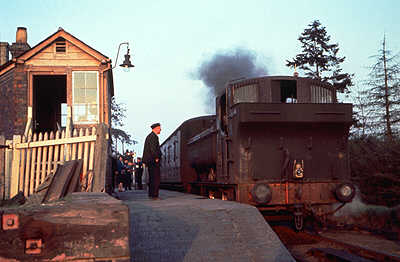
x=309, y=247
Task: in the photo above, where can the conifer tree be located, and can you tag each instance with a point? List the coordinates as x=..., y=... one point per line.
x=383, y=91
x=319, y=59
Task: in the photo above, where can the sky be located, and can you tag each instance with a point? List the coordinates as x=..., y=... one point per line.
x=169, y=40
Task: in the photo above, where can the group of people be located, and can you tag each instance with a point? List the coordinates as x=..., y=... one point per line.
x=126, y=166
x=125, y=169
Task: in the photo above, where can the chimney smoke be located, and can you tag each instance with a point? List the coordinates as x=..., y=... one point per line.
x=224, y=66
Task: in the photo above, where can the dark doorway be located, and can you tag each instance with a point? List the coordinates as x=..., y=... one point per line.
x=49, y=95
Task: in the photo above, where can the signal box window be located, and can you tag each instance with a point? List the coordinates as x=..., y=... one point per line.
x=85, y=97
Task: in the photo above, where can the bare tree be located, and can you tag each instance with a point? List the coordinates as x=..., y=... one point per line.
x=383, y=92
x=118, y=114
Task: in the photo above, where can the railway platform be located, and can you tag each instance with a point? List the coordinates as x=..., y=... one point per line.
x=185, y=227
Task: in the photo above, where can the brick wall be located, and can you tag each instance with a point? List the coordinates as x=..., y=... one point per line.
x=20, y=100
x=7, y=104
x=13, y=102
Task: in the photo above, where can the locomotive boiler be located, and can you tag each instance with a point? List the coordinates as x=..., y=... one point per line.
x=276, y=142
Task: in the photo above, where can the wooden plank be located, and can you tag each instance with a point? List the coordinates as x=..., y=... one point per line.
x=85, y=162
x=2, y=167
x=50, y=56
x=69, y=62
x=8, y=169
x=50, y=158
x=67, y=146
x=38, y=162
x=56, y=152
x=44, y=159
x=15, y=167
x=27, y=168
x=74, y=145
x=91, y=154
x=62, y=148
x=33, y=168
x=80, y=145
x=61, y=141
x=101, y=155
x=74, y=183
x=22, y=167
x=60, y=182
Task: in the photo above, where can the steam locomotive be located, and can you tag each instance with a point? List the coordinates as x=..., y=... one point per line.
x=276, y=142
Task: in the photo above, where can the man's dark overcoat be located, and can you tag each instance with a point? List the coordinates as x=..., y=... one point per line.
x=151, y=152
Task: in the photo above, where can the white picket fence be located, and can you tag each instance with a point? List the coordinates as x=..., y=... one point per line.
x=29, y=160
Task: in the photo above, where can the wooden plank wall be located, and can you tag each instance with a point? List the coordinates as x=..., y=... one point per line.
x=33, y=158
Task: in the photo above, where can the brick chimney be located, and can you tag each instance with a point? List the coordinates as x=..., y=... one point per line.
x=4, y=53
x=20, y=45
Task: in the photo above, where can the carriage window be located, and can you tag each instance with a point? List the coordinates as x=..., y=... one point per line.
x=320, y=94
x=175, y=142
x=245, y=94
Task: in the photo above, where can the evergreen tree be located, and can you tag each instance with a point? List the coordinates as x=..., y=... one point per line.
x=384, y=92
x=319, y=59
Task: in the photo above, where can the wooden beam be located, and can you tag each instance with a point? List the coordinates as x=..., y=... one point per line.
x=101, y=155
x=61, y=141
x=8, y=169
x=60, y=182
x=15, y=168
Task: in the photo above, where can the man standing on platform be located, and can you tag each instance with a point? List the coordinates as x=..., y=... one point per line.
x=151, y=158
x=139, y=174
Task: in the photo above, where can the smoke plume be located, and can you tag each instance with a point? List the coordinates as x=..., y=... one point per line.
x=225, y=66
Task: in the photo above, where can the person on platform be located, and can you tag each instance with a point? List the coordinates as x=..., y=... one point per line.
x=127, y=175
x=119, y=173
x=151, y=158
x=138, y=174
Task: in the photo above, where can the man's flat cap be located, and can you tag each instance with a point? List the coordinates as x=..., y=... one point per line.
x=155, y=125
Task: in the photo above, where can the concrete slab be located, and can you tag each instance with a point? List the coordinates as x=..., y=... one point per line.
x=184, y=227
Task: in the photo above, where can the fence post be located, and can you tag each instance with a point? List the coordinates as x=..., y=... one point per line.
x=2, y=167
x=101, y=155
x=7, y=169
x=15, y=167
